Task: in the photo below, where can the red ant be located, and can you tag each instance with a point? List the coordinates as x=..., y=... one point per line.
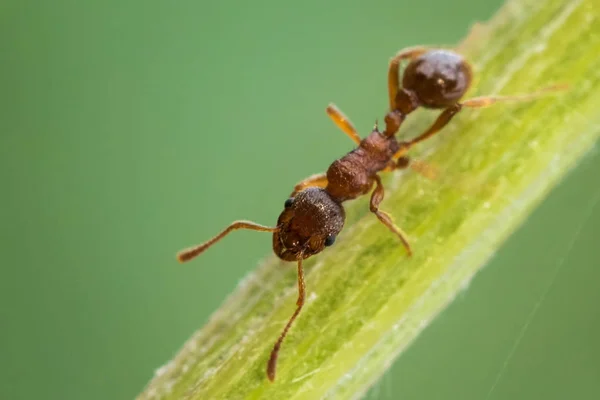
x=313, y=215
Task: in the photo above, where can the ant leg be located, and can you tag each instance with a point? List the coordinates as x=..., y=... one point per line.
x=485, y=101
x=272, y=364
x=343, y=122
x=476, y=102
x=441, y=121
x=316, y=180
x=393, y=78
x=402, y=163
x=423, y=168
x=384, y=217
x=188, y=254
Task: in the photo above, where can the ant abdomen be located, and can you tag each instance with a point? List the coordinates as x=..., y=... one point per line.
x=438, y=78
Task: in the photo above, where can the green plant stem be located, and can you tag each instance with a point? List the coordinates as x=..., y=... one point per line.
x=366, y=300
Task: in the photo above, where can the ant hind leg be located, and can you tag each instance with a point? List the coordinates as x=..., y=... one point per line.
x=384, y=217
x=485, y=101
x=476, y=102
x=408, y=53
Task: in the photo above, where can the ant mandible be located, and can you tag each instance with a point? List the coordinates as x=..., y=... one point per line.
x=313, y=215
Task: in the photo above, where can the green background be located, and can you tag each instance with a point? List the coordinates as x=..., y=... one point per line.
x=130, y=129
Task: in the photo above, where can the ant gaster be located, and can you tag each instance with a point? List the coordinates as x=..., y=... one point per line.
x=314, y=215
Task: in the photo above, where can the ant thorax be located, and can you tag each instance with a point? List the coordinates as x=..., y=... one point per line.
x=352, y=175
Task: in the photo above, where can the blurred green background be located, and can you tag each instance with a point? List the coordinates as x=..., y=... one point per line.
x=132, y=128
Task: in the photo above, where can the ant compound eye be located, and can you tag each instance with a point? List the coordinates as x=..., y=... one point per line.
x=288, y=203
x=330, y=240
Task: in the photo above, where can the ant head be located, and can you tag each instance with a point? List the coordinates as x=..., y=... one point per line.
x=310, y=221
x=438, y=78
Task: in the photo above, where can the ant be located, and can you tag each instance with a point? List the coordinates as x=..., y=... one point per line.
x=313, y=215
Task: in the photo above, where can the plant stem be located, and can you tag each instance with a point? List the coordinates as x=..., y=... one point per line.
x=366, y=300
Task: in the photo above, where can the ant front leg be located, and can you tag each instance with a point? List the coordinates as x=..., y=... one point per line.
x=384, y=217
x=343, y=122
x=316, y=180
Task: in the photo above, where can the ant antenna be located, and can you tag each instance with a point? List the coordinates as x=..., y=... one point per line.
x=272, y=364
x=188, y=254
